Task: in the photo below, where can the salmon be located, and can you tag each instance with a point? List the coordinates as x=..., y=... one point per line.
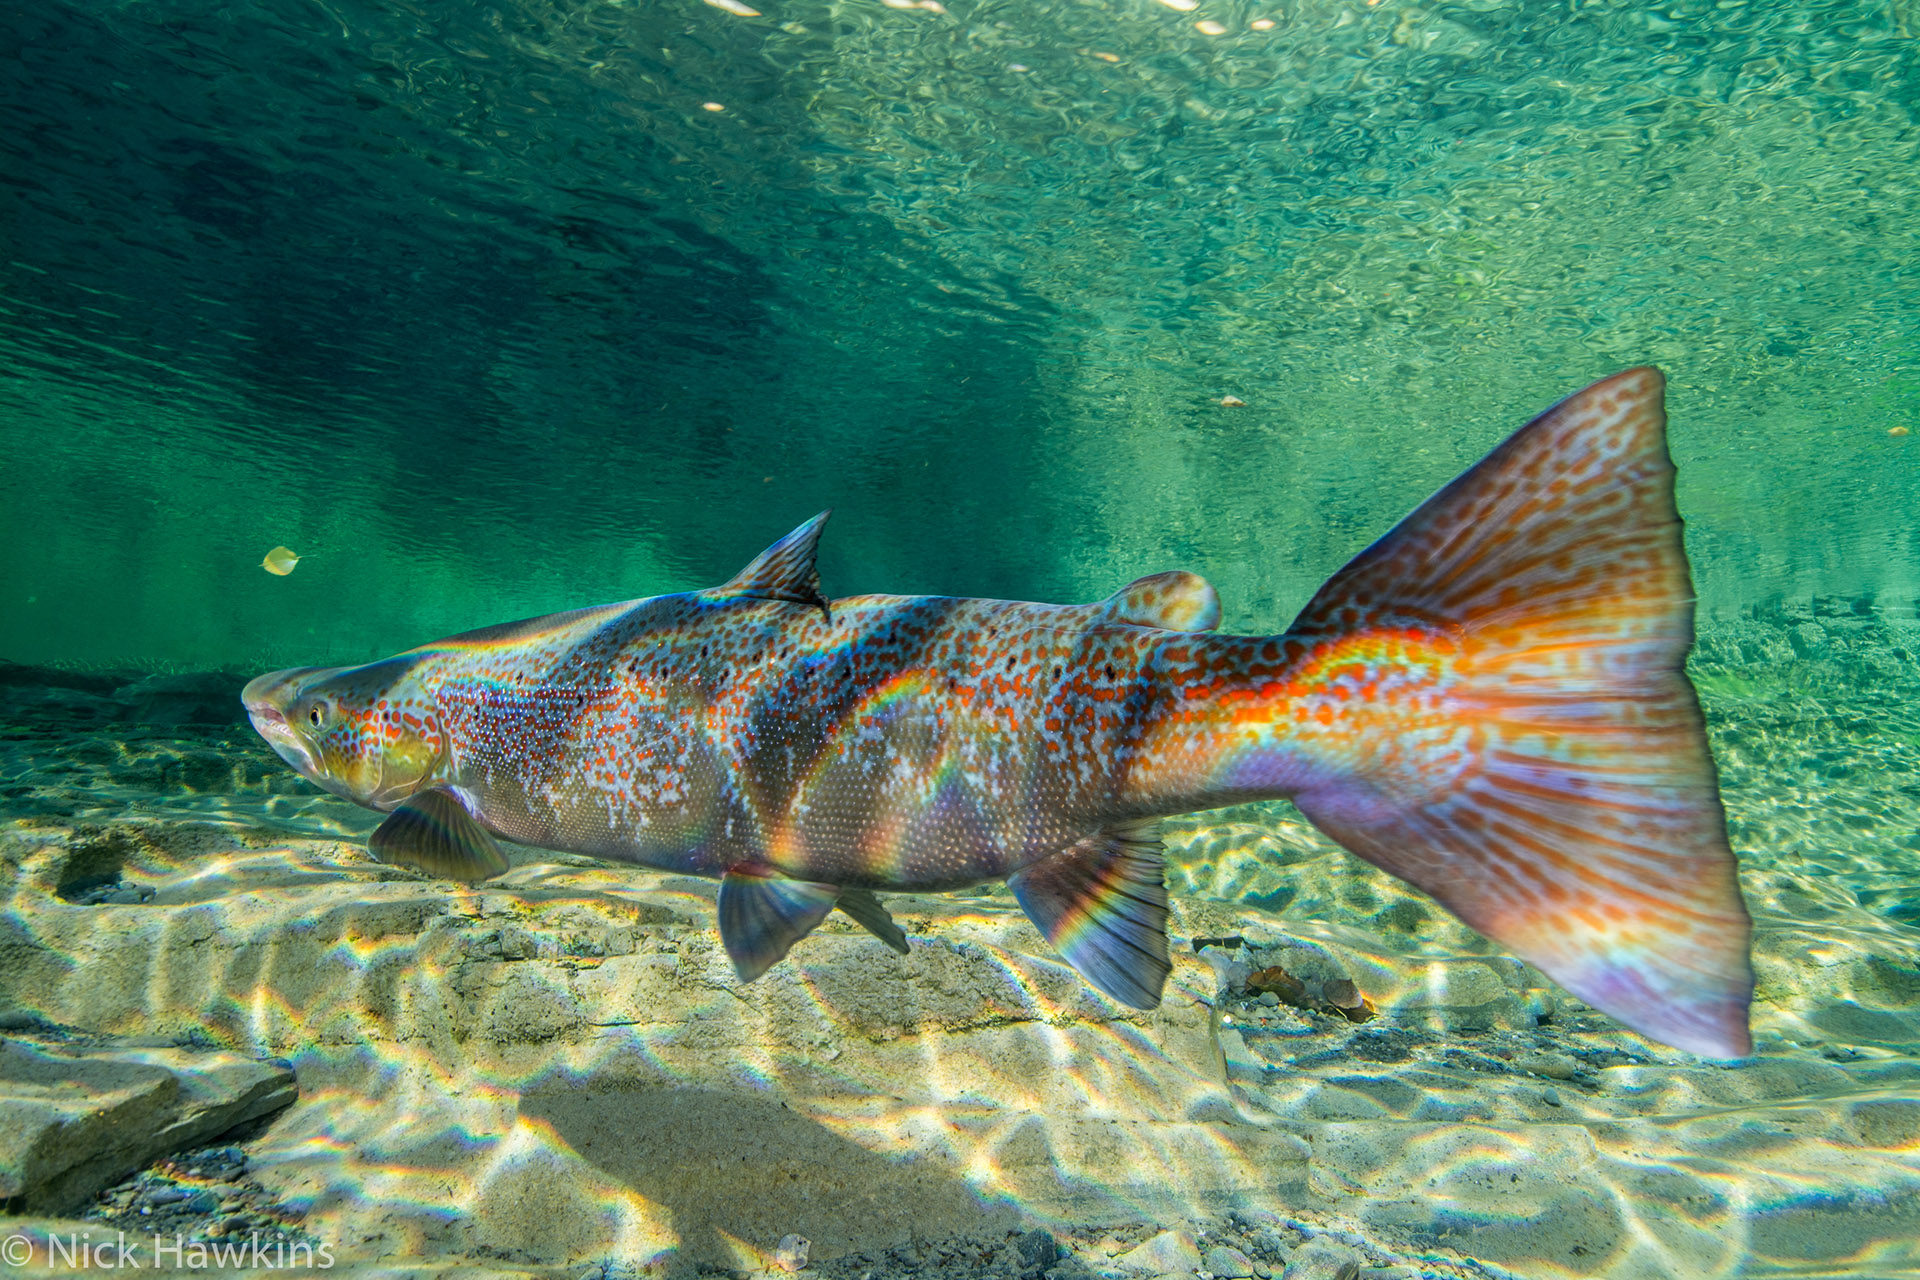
x=1490, y=703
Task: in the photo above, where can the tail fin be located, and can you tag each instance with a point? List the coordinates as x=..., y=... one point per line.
x=1584, y=829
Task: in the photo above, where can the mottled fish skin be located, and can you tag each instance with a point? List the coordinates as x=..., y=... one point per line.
x=1489, y=702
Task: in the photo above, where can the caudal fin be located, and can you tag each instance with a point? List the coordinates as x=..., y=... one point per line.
x=1580, y=820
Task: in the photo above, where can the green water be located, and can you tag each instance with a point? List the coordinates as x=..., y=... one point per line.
x=482, y=311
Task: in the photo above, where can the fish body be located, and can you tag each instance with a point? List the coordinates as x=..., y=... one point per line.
x=1489, y=703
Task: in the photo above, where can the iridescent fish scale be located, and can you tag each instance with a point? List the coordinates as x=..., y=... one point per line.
x=1488, y=702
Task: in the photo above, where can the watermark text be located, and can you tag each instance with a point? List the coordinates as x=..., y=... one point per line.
x=119, y=1251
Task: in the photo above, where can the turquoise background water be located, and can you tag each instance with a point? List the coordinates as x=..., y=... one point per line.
x=486, y=310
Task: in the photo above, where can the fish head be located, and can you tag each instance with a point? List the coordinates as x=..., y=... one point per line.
x=371, y=734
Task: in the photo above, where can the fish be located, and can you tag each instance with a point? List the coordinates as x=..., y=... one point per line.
x=1490, y=702
x=280, y=562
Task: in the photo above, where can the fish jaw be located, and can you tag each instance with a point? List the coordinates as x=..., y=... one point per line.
x=267, y=699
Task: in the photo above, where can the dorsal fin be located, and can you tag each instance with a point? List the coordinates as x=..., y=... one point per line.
x=1173, y=601
x=784, y=571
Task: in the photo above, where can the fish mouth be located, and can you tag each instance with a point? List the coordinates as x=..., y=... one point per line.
x=263, y=700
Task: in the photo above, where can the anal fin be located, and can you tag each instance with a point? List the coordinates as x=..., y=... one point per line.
x=762, y=914
x=864, y=907
x=1103, y=902
x=432, y=831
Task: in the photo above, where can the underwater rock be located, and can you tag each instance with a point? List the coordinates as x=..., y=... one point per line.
x=1466, y=995
x=1038, y=1249
x=1227, y=1263
x=200, y=697
x=1337, y=996
x=1323, y=1260
x=1170, y=1252
x=1808, y=639
x=74, y=1120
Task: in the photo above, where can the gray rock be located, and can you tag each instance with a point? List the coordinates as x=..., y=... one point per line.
x=1037, y=1248
x=1227, y=1264
x=1272, y=1244
x=1555, y=1066
x=1323, y=1260
x=74, y=1120
x=1230, y=968
x=1169, y=1252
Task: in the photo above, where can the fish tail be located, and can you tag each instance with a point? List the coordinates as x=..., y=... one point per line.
x=1491, y=703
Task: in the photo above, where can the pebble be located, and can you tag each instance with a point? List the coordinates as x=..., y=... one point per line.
x=1551, y=1097
x=791, y=1255
x=1272, y=1244
x=1555, y=1066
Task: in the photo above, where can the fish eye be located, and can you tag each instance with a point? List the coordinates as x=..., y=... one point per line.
x=317, y=714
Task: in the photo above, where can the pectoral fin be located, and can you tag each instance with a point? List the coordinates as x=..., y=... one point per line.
x=432, y=831
x=865, y=908
x=1103, y=903
x=763, y=914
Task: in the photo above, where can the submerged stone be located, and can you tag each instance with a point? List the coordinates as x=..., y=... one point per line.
x=74, y=1120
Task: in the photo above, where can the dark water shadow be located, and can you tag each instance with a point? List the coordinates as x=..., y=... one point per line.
x=750, y=1166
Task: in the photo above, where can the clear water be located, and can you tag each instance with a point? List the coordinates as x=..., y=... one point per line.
x=493, y=309
x=478, y=308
